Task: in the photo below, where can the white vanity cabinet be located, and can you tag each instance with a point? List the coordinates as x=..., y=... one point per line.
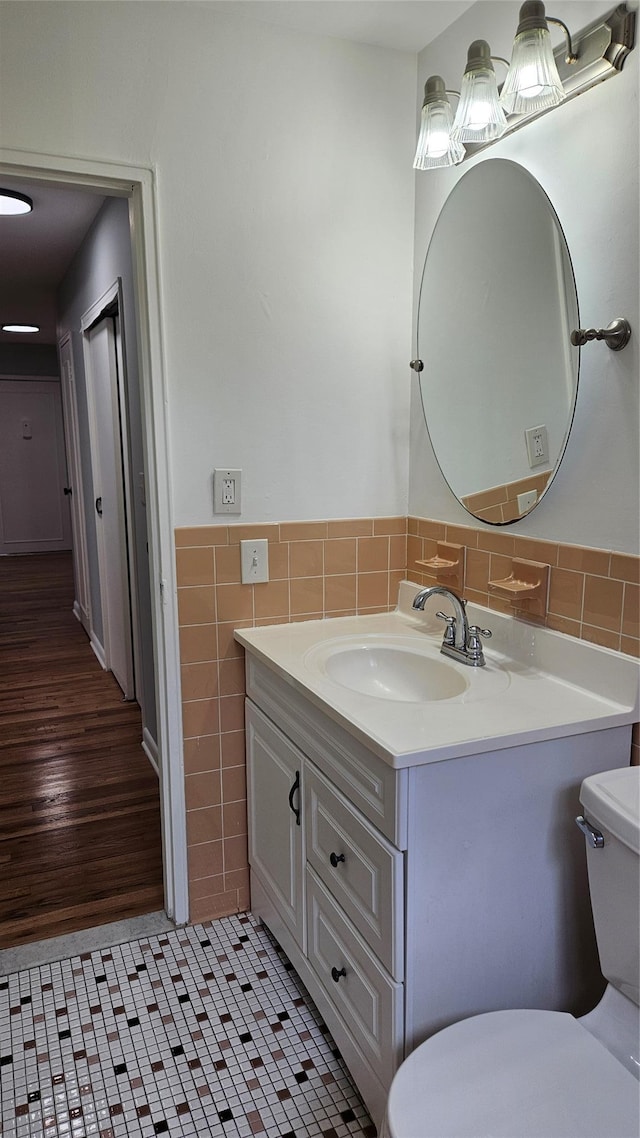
x=407, y=899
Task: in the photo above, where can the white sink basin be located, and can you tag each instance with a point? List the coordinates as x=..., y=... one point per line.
x=392, y=671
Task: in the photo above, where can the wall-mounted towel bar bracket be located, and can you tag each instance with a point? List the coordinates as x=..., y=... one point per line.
x=616, y=335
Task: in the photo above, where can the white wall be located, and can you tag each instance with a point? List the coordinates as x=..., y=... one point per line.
x=585, y=156
x=285, y=229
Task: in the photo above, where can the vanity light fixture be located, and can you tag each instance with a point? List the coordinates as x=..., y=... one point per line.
x=12, y=203
x=539, y=78
x=20, y=328
x=435, y=146
x=532, y=82
x=479, y=117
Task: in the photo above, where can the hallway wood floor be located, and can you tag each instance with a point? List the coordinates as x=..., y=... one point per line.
x=80, y=837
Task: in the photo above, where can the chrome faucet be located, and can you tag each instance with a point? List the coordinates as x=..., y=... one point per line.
x=461, y=640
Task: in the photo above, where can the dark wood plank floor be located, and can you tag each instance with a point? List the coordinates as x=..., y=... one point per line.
x=79, y=803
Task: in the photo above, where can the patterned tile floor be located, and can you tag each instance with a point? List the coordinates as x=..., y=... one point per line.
x=204, y=1030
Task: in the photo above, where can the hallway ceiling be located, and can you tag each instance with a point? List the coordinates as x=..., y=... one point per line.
x=36, y=249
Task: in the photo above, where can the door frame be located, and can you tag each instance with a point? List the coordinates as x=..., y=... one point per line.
x=138, y=185
x=82, y=600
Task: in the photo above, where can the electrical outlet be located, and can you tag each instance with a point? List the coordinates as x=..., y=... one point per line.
x=537, y=445
x=254, y=561
x=226, y=491
x=527, y=500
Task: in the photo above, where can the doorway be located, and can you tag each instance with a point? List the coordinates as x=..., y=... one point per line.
x=137, y=187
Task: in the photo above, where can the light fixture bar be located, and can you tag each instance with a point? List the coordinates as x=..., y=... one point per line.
x=601, y=49
x=20, y=328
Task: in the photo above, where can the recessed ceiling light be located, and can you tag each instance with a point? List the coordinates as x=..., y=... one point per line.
x=20, y=328
x=12, y=203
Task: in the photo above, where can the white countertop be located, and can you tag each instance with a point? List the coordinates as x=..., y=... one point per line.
x=537, y=684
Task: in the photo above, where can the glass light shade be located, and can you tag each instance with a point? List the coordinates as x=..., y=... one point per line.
x=13, y=203
x=532, y=82
x=20, y=328
x=435, y=146
x=479, y=117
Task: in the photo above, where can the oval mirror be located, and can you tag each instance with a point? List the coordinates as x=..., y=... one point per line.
x=497, y=307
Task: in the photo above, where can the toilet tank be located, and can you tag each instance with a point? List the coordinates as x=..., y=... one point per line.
x=611, y=803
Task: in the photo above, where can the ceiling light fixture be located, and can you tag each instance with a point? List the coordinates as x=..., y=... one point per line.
x=539, y=78
x=20, y=328
x=12, y=203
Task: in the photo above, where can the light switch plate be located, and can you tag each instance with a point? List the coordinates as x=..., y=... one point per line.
x=254, y=561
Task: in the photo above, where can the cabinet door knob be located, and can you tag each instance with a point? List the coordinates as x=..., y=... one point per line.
x=335, y=859
x=337, y=973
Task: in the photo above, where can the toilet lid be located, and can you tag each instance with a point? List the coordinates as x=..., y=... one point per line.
x=513, y=1074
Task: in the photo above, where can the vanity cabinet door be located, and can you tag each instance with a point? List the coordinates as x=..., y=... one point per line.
x=274, y=800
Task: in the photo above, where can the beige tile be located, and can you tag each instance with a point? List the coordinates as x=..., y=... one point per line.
x=234, y=819
x=395, y=577
x=235, y=853
x=197, y=605
x=228, y=646
x=389, y=526
x=398, y=552
x=278, y=560
x=212, y=908
x=563, y=624
x=237, y=879
x=203, y=790
x=414, y=553
x=194, y=566
x=199, y=681
x=201, y=754
x=601, y=636
x=340, y=556
x=500, y=568
x=204, y=859
x=631, y=611
x=532, y=550
x=233, y=748
x=206, y=886
x=437, y=531
x=198, y=642
x=477, y=570
x=227, y=558
x=201, y=535
x=373, y=590
x=200, y=717
x=373, y=554
x=603, y=603
x=495, y=542
x=340, y=593
x=306, y=558
x=204, y=825
x=234, y=784
x=486, y=498
x=583, y=560
x=477, y=597
x=566, y=594
x=271, y=600
x=235, y=602
x=303, y=531
x=492, y=514
x=463, y=535
x=412, y=526
x=630, y=646
x=350, y=527
x=253, y=533
x=232, y=713
x=306, y=595
x=625, y=568
x=232, y=681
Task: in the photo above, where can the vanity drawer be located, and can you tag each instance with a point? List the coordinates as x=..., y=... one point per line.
x=378, y=790
x=360, y=868
x=367, y=999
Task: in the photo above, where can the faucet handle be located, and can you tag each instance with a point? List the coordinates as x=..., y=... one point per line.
x=474, y=644
x=450, y=631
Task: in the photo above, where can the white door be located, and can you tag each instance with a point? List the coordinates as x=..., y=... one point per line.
x=34, y=511
x=105, y=425
x=75, y=487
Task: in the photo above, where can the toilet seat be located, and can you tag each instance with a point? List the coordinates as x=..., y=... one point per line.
x=513, y=1074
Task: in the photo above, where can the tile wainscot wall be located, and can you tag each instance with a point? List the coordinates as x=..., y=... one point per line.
x=337, y=568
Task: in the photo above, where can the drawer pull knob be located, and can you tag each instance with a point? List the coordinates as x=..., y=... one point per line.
x=335, y=859
x=294, y=788
x=336, y=974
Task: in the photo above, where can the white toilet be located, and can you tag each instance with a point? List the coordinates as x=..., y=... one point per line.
x=545, y=1074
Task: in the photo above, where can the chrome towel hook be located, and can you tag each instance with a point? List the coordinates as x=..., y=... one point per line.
x=616, y=335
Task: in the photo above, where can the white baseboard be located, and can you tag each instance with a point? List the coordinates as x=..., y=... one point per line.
x=81, y=616
x=98, y=649
x=150, y=748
